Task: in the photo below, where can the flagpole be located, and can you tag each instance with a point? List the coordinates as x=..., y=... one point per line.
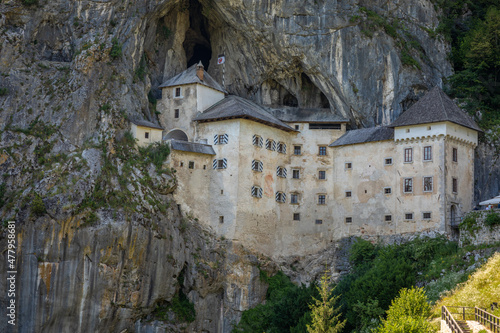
x=221, y=60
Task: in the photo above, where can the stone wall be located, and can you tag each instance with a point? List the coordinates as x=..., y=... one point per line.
x=483, y=234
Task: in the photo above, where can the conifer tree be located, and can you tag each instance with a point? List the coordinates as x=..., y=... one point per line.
x=325, y=316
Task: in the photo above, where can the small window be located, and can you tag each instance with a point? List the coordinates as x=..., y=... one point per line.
x=294, y=198
x=325, y=126
x=296, y=216
x=220, y=164
x=295, y=173
x=281, y=148
x=427, y=153
x=297, y=150
x=177, y=92
x=321, y=199
x=204, y=167
x=281, y=172
x=257, y=141
x=257, y=166
x=455, y=185
x=348, y=219
x=322, y=174
x=280, y=197
x=256, y=192
x=408, y=155
x=429, y=128
x=176, y=113
x=191, y=165
x=297, y=127
x=221, y=139
x=221, y=192
x=146, y=135
x=221, y=219
x=348, y=165
x=322, y=151
x=387, y=190
x=181, y=164
x=318, y=222
x=388, y=218
x=348, y=194
x=408, y=185
x=408, y=216
x=455, y=155
x=428, y=184
x=407, y=130
x=426, y=215
x=270, y=144
x=388, y=161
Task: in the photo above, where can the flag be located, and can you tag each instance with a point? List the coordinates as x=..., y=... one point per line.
x=221, y=59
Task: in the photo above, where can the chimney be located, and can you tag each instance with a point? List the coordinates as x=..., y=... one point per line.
x=200, y=70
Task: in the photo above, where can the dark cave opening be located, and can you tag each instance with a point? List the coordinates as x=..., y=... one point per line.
x=197, y=39
x=290, y=100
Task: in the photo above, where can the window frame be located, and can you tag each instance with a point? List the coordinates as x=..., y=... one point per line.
x=295, y=171
x=321, y=199
x=454, y=185
x=318, y=221
x=295, y=150
x=388, y=218
x=388, y=188
x=297, y=198
x=176, y=113
x=281, y=171
x=427, y=154
x=410, y=179
x=280, y=197
x=411, y=218
x=386, y=159
x=432, y=184
x=255, y=192
x=257, y=141
x=426, y=218
x=348, y=219
x=296, y=217
x=146, y=135
x=454, y=154
x=271, y=144
x=177, y=92
x=408, y=155
x=281, y=147
x=322, y=148
x=348, y=166
x=191, y=165
x=257, y=166
x=319, y=174
x=348, y=194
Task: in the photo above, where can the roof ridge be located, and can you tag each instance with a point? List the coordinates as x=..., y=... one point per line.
x=442, y=103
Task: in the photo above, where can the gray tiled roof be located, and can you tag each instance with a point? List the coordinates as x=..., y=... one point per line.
x=434, y=107
x=189, y=76
x=192, y=147
x=236, y=107
x=363, y=135
x=314, y=115
x=146, y=123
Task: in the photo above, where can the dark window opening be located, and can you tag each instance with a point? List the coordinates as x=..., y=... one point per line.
x=348, y=220
x=319, y=221
x=176, y=113
x=388, y=218
x=325, y=126
x=191, y=165
x=146, y=135
x=296, y=216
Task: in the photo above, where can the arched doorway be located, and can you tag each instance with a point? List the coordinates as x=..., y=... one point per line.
x=176, y=134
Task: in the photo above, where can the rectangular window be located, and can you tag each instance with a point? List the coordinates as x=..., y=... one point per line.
x=318, y=222
x=191, y=165
x=408, y=185
x=146, y=135
x=294, y=198
x=280, y=197
x=281, y=172
x=426, y=215
x=297, y=150
x=348, y=194
x=322, y=150
x=322, y=175
x=281, y=148
x=387, y=190
x=295, y=173
x=388, y=218
x=321, y=199
x=178, y=92
x=221, y=219
x=408, y=216
x=297, y=127
x=257, y=141
x=348, y=165
x=176, y=113
x=256, y=192
x=325, y=126
x=388, y=161
x=454, y=185
x=408, y=155
x=220, y=164
x=181, y=164
x=455, y=155
x=270, y=144
x=257, y=166
x=427, y=153
x=221, y=139
x=428, y=184
x=296, y=216
x=348, y=219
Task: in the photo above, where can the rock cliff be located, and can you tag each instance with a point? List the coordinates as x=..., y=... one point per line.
x=102, y=246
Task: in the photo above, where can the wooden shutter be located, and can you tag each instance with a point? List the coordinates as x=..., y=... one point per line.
x=283, y=197
x=283, y=172
x=261, y=142
x=273, y=146
x=260, y=192
x=255, y=140
x=284, y=148
x=215, y=164
x=261, y=166
x=253, y=191
x=216, y=139
x=277, y=196
x=278, y=173
x=254, y=165
x=225, y=139
x=224, y=163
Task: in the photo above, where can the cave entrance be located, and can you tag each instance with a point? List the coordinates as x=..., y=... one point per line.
x=197, y=39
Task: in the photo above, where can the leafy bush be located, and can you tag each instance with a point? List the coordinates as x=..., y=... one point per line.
x=116, y=49
x=492, y=219
x=362, y=251
x=37, y=206
x=155, y=153
x=408, y=313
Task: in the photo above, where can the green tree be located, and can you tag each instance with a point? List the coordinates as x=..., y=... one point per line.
x=408, y=313
x=325, y=316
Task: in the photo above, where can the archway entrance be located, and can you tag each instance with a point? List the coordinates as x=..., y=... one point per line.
x=176, y=134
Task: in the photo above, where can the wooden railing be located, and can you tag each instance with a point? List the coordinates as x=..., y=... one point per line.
x=487, y=319
x=462, y=312
x=450, y=321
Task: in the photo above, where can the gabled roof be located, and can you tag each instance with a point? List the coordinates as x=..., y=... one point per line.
x=434, y=107
x=233, y=107
x=189, y=76
x=363, y=135
x=146, y=123
x=313, y=115
x=192, y=147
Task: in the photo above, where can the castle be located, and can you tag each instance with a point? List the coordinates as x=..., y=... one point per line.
x=291, y=180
